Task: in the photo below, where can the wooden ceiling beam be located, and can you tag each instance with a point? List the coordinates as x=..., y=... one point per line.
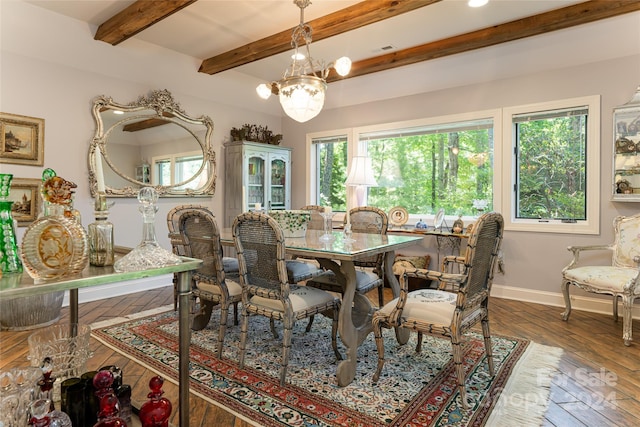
x=558, y=19
x=350, y=18
x=137, y=17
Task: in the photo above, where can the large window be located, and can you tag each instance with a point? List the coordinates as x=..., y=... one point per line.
x=536, y=164
x=554, y=165
x=433, y=166
x=330, y=159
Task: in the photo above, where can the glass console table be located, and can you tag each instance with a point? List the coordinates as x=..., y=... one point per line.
x=22, y=285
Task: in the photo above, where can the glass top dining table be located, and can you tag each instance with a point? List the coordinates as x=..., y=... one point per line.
x=338, y=254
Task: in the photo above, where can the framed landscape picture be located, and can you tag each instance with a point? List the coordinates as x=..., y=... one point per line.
x=21, y=140
x=25, y=195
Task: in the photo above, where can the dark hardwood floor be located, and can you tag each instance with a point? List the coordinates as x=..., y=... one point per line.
x=599, y=384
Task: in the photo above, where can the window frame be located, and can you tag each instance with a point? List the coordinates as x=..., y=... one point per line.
x=504, y=161
x=592, y=224
x=313, y=175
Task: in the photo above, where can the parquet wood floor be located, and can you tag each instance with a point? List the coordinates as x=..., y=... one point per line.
x=599, y=384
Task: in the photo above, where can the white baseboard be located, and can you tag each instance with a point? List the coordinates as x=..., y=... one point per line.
x=556, y=299
x=120, y=288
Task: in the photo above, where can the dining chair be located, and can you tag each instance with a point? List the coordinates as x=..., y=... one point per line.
x=364, y=219
x=299, y=269
x=195, y=233
x=266, y=290
x=619, y=279
x=317, y=221
x=448, y=314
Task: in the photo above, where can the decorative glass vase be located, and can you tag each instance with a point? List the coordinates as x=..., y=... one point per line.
x=108, y=415
x=148, y=254
x=156, y=411
x=100, y=233
x=55, y=245
x=9, y=256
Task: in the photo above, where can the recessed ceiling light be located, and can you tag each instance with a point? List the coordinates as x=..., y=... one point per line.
x=297, y=56
x=118, y=112
x=477, y=3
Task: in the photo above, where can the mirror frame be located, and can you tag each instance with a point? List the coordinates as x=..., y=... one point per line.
x=159, y=104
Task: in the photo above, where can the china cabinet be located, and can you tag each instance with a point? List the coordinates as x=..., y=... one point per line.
x=143, y=173
x=626, y=155
x=256, y=173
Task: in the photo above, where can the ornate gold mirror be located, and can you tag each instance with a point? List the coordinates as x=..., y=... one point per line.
x=151, y=142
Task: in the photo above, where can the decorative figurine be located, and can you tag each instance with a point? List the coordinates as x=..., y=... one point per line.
x=458, y=225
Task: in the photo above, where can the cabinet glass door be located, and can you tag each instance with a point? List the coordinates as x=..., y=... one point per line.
x=255, y=182
x=278, y=182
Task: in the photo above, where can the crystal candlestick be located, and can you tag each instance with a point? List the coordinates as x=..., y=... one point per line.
x=327, y=225
x=148, y=254
x=347, y=233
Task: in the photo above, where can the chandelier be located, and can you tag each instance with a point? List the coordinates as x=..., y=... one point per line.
x=304, y=83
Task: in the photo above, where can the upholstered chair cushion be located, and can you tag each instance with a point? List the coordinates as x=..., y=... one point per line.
x=235, y=290
x=298, y=271
x=300, y=297
x=230, y=265
x=604, y=277
x=365, y=281
x=426, y=305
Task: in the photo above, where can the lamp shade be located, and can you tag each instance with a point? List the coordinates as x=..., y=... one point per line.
x=302, y=97
x=361, y=172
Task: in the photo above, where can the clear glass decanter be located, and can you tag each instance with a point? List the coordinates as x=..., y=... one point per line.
x=148, y=254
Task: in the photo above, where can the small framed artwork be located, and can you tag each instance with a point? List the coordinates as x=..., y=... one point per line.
x=21, y=140
x=25, y=195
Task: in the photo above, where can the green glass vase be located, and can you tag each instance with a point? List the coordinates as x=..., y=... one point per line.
x=9, y=256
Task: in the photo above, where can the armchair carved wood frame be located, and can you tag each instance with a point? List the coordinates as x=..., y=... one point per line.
x=620, y=279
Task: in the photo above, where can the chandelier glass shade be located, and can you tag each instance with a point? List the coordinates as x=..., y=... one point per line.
x=302, y=88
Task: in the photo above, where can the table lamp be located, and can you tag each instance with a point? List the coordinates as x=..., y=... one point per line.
x=361, y=176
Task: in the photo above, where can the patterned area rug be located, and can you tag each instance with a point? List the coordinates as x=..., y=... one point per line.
x=414, y=389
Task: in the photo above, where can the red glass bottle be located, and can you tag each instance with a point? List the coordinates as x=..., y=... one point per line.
x=108, y=415
x=102, y=383
x=157, y=410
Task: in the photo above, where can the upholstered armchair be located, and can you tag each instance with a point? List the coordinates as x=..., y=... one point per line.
x=448, y=314
x=620, y=279
x=194, y=232
x=266, y=290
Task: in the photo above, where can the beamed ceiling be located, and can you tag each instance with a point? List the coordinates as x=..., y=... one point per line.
x=142, y=14
x=398, y=48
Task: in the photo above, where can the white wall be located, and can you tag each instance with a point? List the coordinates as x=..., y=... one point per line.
x=52, y=68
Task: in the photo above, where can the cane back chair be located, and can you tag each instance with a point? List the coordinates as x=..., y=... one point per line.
x=259, y=242
x=620, y=279
x=448, y=314
x=195, y=233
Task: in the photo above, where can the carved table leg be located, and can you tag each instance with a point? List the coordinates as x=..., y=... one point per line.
x=355, y=318
x=402, y=334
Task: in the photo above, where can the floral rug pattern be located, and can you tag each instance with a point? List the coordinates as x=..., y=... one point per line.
x=413, y=390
